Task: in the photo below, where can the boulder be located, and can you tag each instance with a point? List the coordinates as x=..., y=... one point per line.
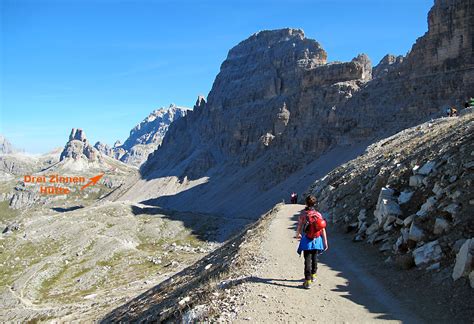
x=428, y=253
x=388, y=225
x=372, y=229
x=441, y=225
x=427, y=168
x=416, y=234
x=405, y=197
x=427, y=206
x=416, y=181
x=463, y=263
x=451, y=208
x=407, y=221
x=386, y=206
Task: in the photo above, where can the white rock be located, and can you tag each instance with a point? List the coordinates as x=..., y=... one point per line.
x=416, y=234
x=399, y=242
x=434, y=266
x=430, y=252
x=387, y=226
x=463, y=260
x=386, y=205
x=207, y=267
x=184, y=300
x=441, y=225
x=362, y=228
x=416, y=181
x=405, y=197
x=91, y=296
x=372, y=229
x=427, y=206
x=451, y=208
x=407, y=221
x=427, y=168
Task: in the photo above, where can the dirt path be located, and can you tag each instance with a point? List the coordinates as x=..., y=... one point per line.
x=343, y=292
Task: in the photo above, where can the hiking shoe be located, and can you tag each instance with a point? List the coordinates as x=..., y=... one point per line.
x=307, y=284
x=313, y=277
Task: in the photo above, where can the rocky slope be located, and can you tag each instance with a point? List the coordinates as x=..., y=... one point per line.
x=411, y=196
x=145, y=137
x=277, y=106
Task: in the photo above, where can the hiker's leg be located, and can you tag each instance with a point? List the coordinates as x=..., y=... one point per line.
x=307, y=265
x=314, y=261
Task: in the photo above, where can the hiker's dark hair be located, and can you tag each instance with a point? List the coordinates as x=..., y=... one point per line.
x=310, y=201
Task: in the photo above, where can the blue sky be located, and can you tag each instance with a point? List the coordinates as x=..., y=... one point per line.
x=104, y=65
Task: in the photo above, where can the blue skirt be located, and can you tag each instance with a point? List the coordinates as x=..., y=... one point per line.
x=307, y=244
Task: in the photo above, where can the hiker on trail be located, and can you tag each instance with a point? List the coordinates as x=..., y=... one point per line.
x=313, y=239
x=294, y=197
x=453, y=112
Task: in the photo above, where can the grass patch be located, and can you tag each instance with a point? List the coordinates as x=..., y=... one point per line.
x=7, y=213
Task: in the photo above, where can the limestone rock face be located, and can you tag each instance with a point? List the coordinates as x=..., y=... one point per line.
x=153, y=128
x=78, y=147
x=388, y=63
x=243, y=128
x=5, y=146
x=148, y=135
x=103, y=148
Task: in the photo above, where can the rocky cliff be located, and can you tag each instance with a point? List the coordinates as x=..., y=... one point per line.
x=148, y=135
x=277, y=106
x=78, y=147
x=145, y=137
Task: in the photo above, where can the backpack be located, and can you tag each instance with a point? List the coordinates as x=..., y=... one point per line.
x=310, y=227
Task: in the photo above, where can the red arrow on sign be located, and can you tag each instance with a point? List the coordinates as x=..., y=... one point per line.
x=93, y=181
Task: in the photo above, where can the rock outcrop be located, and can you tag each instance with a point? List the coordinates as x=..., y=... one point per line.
x=5, y=146
x=78, y=147
x=145, y=137
x=388, y=63
x=104, y=148
x=148, y=135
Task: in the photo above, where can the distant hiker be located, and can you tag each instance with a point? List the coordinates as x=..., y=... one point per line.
x=453, y=112
x=311, y=230
x=294, y=198
x=448, y=112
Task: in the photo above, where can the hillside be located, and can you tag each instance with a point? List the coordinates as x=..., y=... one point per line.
x=256, y=276
x=411, y=196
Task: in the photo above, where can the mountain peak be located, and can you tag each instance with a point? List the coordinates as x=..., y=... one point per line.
x=78, y=147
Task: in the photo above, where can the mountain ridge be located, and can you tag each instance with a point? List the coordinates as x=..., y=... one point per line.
x=276, y=106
